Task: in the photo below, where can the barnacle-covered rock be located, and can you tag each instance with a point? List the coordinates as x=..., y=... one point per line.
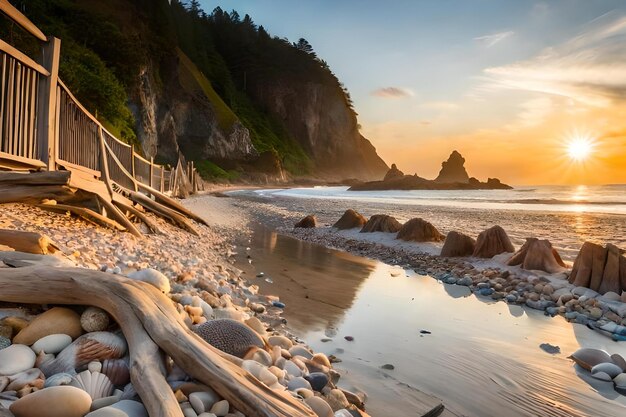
x=229, y=336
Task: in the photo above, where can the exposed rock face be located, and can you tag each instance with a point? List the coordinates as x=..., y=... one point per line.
x=601, y=269
x=308, y=222
x=393, y=173
x=350, y=220
x=381, y=223
x=458, y=244
x=453, y=170
x=492, y=242
x=538, y=255
x=419, y=230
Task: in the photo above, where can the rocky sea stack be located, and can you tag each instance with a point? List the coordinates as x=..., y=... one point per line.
x=452, y=176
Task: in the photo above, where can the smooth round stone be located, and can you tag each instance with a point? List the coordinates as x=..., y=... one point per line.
x=154, y=277
x=607, y=367
x=202, y=401
x=53, y=343
x=619, y=361
x=131, y=408
x=588, y=357
x=292, y=369
x=107, y=412
x=317, y=380
x=305, y=393
x=57, y=320
x=300, y=351
x=58, y=379
x=63, y=401
x=207, y=415
x=320, y=407
x=220, y=408
x=343, y=413
x=281, y=341
x=298, y=383
x=16, y=359
x=602, y=376
x=620, y=381
x=321, y=359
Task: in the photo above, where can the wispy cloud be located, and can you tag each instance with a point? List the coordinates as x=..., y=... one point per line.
x=589, y=68
x=392, y=92
x=494, y=38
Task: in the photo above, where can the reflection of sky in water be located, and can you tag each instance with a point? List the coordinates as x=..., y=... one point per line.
x=482, y=358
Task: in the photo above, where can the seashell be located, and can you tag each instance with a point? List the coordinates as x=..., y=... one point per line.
x=607, y=367
x=87, y=348
x=95, y=384
x=58, y=379
x=94, y=366
x=19, y=381
x=117, y=370
x=587, y=358
x=229, y=336
x=94, y=319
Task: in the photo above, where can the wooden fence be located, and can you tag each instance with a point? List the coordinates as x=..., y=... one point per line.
x=43, y=126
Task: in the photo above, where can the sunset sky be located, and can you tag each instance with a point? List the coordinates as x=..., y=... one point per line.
x=507, y=83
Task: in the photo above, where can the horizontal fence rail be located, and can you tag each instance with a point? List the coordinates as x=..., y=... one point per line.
x=42, y=124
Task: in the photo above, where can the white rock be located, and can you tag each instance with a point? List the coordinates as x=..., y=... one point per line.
x=203, y=401
x=620, y=381
x=602, y=376
x=53, y=343
x=107, y=412
x=152, y=276
x=16, y=359
x=298, y=383
x=292, y=369
x=281, y=341
x=342, y=413
x=220, y=408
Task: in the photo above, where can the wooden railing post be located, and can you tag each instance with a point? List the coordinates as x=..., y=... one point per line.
x=151, y=171
x=162, y=178
x=46, y=123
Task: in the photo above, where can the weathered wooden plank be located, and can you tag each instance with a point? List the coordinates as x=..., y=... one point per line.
x=21, y=20
x=47, y=93
x=22, y=57
x=36, y=178
x=10, y=161
x=29, y=242
x=33, y=194
x=85, y=213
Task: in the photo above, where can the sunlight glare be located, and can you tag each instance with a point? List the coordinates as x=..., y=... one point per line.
x=580, y=148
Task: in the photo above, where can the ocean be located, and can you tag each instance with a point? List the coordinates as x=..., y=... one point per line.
x=566, y=215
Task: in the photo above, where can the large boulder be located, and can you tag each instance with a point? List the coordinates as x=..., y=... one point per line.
x=308, y=222
x=381, y=223
x=492, y=242
x=419, y=230
x=538, y=255
x=458, y=244
x=350, y=220
x=453, y=170
x=393, y=174
x=601, y=269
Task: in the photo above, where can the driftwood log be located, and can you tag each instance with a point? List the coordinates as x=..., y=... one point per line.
x=29, y=242
x=150, y=323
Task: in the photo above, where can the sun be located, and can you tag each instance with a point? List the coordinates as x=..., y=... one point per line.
x=580, y=148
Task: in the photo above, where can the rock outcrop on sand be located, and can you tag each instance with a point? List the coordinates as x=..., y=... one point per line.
x=453, y=170
x=538, y=255
x=349, y=220
x=457, y=244
x=419, y=230
x=393, y=173
x=308, y=222
x=601, y=269
x=381, y=223
x=452, y=177
x=492, y=242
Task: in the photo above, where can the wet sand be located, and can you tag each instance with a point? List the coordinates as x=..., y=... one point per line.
x=481, y=358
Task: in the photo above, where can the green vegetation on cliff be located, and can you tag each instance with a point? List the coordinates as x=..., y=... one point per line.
x=106, y=44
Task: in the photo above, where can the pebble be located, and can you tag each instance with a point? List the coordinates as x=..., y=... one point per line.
x=220, y=408
x=281, y=341
x=64, y=401
x=607, y=367
x=298, y=383
x=203, y=401
x=278, y=304
x=465, y=281
x=131, y=408
x=94, y=319
x=388, y=366
x=153, y=277
x=319, y=406
x=349, y=338
x=53, y=343
x=57, y=320
x=16, y=359
x=318, y=380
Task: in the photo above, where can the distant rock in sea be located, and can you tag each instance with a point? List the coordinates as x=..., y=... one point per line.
x=453, y=170
x=451, y=177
